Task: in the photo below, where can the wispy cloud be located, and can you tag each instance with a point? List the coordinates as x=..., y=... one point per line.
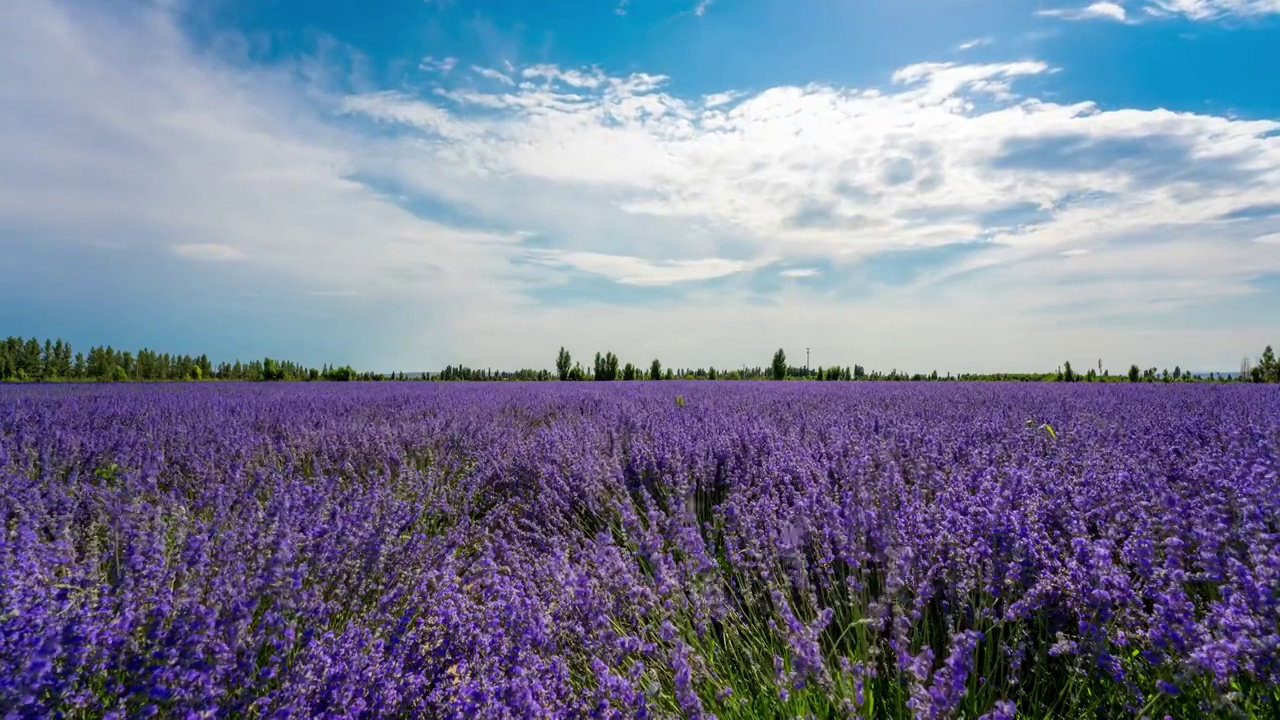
x=332, y=293
x=976, y=43
x=492, y=74
x=1095, y=11
x=799, y=273
x=1214, y=9
x=627, y=270
x=209, y=251
x=438, y=65
x=701, y=8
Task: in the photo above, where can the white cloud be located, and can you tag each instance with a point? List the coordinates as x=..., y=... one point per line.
x=799, y=273
x=492, y=74
x=441, y=65
x=332, y=293
x=119, y=132
x=627, y=270
x=1273, y=238
x=701, y=7
x=1096, y=11
x=209, y=251
x=976, y=43
x=1215, y=9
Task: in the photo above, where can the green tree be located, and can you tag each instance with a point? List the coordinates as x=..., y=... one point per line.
x=629, y=372
x=1134, y=373
x=271, y=370
x=564, y=363
x=779, y=365
x=1268, y=366
x=655, y=370
x=606, y=367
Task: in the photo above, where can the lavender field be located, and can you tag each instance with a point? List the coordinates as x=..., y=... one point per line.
x=640, y=550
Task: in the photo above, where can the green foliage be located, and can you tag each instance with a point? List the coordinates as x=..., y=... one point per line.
x=1268, y=368
x=655, y=370
x=779, y=365
x=271, y=370
x=564, y=364
x=605, y=367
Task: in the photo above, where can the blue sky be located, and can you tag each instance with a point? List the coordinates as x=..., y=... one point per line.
x=960, y=185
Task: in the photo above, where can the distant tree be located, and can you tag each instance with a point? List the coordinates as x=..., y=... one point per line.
x=1268, y=366
x=711, y=373
x=48, y=362
x=577, y=374
x=779, y=365
x=629, y=372
x=1245, y=369
x=271, y=370
x=1177, y=372
x=655, y=370
x=564, y=364
x=605, y=367
x=1134, y=373
x=669, y=375
x=1067, y=374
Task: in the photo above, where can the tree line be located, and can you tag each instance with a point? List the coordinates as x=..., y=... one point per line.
x=606, y=368
x=29, y=360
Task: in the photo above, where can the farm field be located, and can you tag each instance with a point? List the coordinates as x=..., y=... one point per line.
x=668, y=549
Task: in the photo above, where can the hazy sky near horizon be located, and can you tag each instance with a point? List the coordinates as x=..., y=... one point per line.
x=920, y=184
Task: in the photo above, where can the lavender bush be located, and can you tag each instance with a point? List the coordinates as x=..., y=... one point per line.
x=647, y=550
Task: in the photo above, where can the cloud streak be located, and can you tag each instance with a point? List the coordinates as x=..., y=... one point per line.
x=1094, y=11
x=976, y=43
x=1204, y=10
x=209, y=251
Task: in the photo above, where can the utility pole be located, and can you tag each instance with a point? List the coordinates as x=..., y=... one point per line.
x=806, y=362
